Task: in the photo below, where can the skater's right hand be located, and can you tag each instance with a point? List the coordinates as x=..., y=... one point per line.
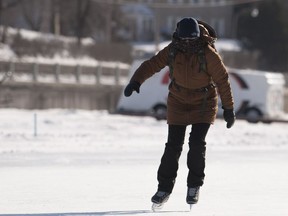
x=229, y=117
x=132, y=86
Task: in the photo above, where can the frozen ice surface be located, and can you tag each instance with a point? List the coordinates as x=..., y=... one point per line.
x=94, y=163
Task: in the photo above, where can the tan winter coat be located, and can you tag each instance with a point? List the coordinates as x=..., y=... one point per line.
x=186, y=104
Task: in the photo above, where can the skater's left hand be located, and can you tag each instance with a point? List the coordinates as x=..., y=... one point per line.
x=229, y=117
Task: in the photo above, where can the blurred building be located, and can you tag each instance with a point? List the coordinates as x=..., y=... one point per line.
x=157, y=19
x=125, y=20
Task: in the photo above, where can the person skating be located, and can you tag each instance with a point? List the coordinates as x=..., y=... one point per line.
x=196, y=71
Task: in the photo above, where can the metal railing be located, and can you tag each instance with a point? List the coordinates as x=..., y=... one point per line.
x=107, y=73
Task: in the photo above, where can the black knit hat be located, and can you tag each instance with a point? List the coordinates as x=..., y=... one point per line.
x=188, y=28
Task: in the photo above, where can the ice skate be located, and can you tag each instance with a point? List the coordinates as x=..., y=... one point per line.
x=159, y=199
x=192, y=196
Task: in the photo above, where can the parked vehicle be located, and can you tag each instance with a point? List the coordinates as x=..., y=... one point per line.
x=152, y=97
x=258, y=95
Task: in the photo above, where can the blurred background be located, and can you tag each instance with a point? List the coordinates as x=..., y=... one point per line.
x=78, y=54
x=63, y=67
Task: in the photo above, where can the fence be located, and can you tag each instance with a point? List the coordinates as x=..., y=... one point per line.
x=98, y=73
x=32, y=85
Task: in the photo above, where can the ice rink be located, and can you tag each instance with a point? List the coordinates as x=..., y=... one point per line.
x=77, y=162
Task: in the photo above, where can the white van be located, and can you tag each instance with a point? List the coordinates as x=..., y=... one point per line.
x=258, y=95
x=152, y=97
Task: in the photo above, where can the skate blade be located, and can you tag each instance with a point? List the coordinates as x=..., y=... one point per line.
x=157, y=206
x=191, y=206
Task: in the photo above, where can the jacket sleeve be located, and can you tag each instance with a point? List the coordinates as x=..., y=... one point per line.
x=149, y=67
x=219, y=74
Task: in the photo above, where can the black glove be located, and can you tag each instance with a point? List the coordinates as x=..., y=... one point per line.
x=132, y=86
x=229, y=117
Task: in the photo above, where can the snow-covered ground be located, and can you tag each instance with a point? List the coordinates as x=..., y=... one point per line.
x=94, y=163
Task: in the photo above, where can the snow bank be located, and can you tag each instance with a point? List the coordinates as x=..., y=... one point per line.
x=63, y=57
x=142, y=49
x=87, y=131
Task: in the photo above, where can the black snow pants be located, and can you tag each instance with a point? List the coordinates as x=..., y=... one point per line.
x=167, y=171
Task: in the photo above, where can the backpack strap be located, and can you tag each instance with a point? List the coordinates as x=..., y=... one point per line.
x=171, y=58
x=202, y=61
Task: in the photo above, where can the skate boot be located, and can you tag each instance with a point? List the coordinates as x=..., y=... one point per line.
x=192, y=195
x=159, y=199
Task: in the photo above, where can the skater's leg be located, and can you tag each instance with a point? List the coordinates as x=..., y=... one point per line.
x=167, y=171
x=196, y=154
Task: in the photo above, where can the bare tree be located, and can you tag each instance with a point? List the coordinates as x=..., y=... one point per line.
x=79, y=18
x=82, y=14
x=32, y=11
x=4, y=6
x=104, y=21
x=55, y=17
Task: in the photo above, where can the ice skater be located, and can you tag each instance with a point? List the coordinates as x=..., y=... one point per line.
x=197, y=75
